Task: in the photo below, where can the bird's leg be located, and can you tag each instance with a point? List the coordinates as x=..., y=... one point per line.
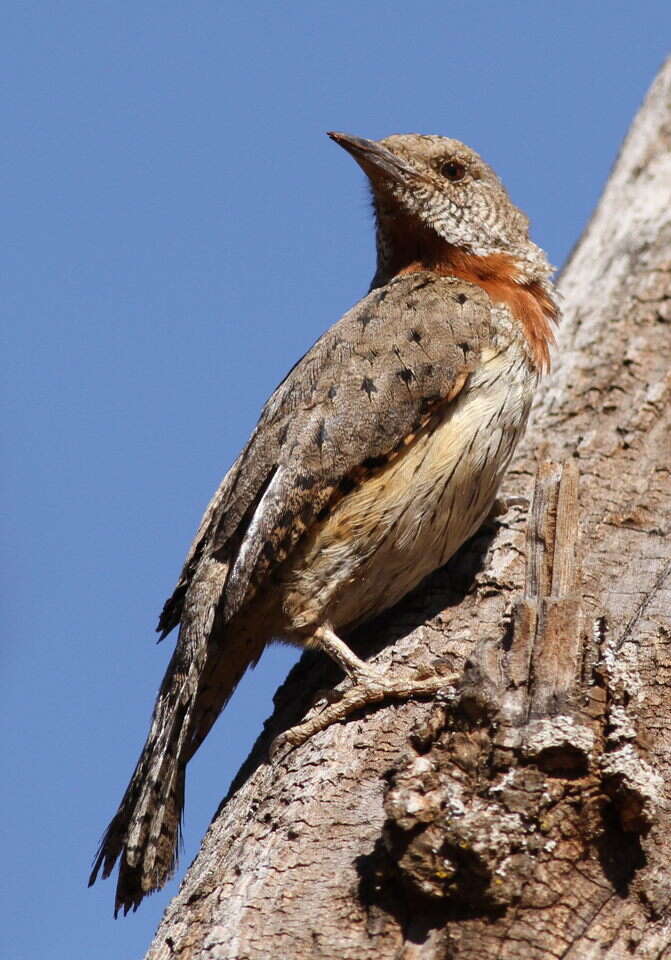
x=369, y=687
x=354, y=667
x=325, y=639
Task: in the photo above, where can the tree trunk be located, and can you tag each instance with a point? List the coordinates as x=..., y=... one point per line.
x=525, y=812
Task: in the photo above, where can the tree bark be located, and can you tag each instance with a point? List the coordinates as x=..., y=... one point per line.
x=525, y=812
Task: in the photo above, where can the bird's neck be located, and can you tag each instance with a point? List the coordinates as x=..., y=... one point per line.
x=404, y=247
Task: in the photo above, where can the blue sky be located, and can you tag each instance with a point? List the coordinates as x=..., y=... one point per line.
x=178, y=230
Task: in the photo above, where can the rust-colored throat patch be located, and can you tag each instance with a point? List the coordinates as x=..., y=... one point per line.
x=499, y=277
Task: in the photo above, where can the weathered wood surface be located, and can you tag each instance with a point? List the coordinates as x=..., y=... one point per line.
x=525, y=812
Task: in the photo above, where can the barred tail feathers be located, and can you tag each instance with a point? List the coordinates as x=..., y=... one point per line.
x=144, y=832
x=203, y=673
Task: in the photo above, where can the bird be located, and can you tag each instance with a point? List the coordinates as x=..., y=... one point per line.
x=375, y=459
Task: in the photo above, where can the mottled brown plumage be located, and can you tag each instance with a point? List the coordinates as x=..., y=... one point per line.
x=373, y=461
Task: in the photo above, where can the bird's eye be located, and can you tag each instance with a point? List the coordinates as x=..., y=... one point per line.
x=453, y=170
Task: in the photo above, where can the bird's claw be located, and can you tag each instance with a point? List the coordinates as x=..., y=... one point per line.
x=370, y=688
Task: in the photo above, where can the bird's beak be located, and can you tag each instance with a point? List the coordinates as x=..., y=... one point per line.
x=374, y=159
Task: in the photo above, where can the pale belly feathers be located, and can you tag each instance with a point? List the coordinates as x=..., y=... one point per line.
x=407, y=521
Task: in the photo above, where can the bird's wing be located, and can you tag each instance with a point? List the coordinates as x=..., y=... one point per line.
x=357, y=395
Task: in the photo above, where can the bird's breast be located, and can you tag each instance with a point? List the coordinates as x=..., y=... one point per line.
x=408, y=519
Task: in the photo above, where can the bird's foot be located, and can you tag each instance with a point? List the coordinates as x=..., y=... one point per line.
x=325, y=696
x=357, y=671
x=370, y=687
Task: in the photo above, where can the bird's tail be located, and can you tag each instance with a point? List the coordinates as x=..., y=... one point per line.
x=145, y=831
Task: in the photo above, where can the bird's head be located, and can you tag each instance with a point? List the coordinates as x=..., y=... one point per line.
x=432, y=193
